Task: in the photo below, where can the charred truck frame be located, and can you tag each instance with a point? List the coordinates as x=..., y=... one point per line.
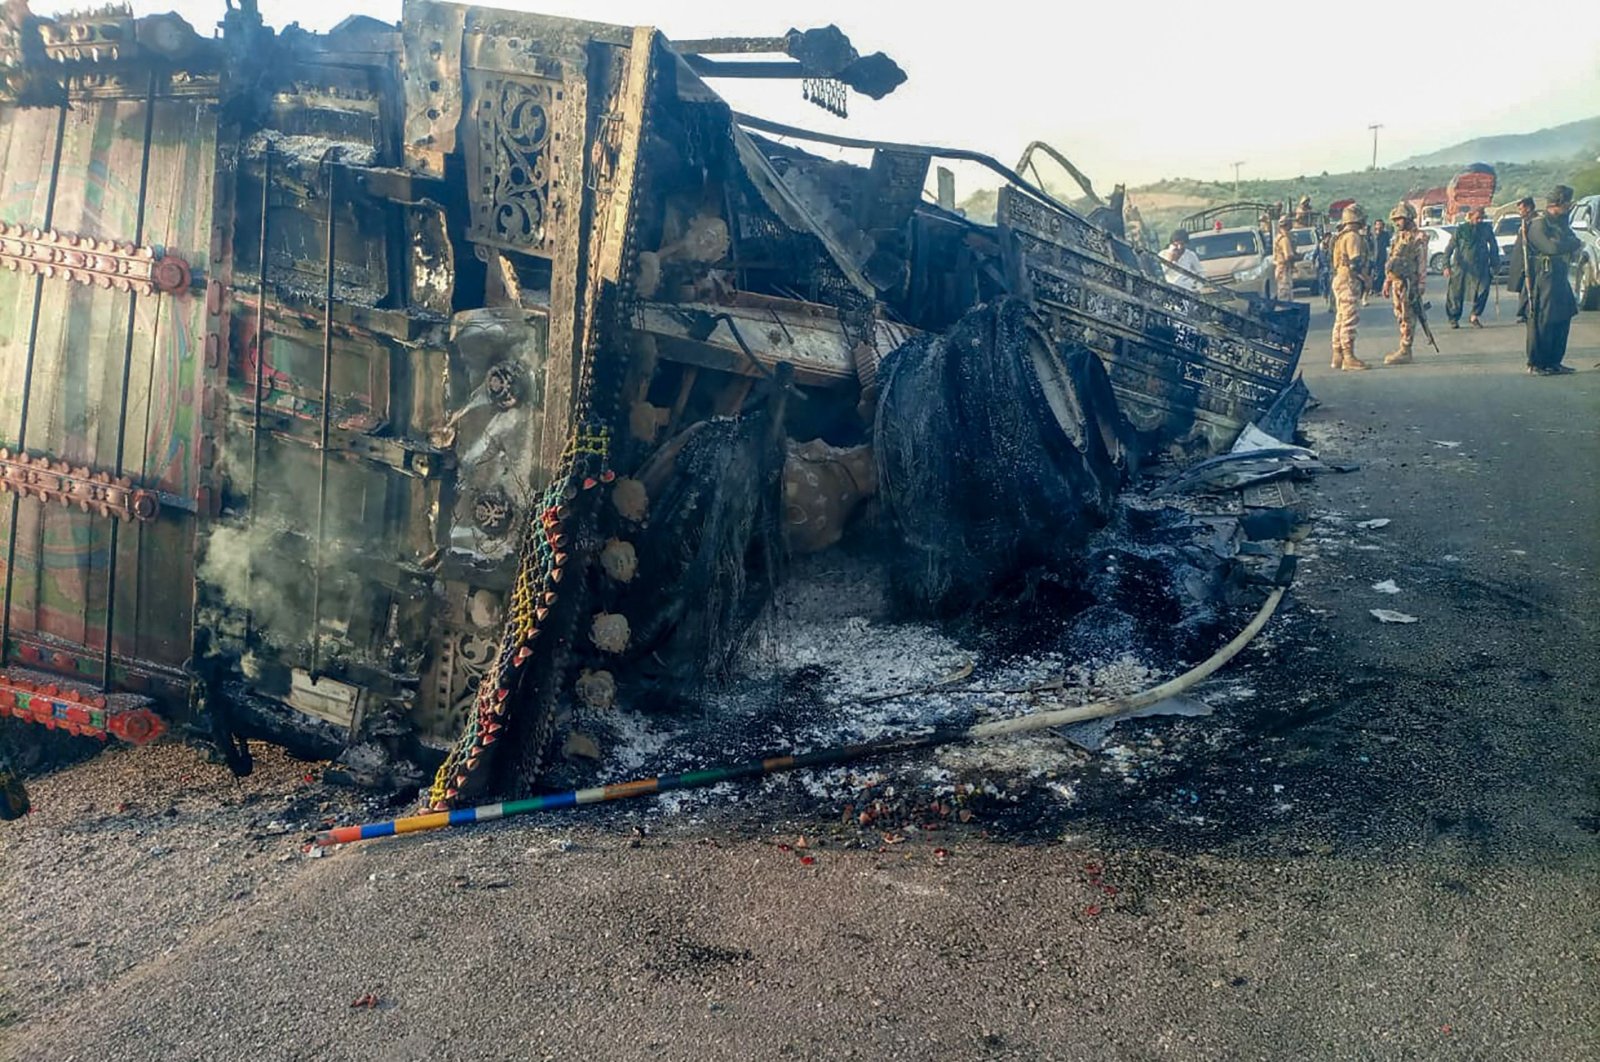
x=389, y=393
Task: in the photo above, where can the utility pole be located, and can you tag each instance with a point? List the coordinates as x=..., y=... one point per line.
x=1236, y=166
x=1375, y=127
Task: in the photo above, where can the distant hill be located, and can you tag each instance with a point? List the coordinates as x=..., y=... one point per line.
x=1558, y=143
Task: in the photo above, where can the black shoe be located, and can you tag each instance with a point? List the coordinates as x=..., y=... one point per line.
x=1455, y=324
x=1559, y=370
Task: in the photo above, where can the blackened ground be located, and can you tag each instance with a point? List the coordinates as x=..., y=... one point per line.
x=1385, y=850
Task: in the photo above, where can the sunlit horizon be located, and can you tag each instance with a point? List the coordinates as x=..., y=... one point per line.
x=1172, y=92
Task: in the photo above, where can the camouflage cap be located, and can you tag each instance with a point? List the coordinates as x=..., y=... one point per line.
x=1403, y=210
x=1352, y=215
x=1560, y=195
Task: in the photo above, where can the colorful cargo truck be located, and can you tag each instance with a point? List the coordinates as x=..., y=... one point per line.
x=396, y=394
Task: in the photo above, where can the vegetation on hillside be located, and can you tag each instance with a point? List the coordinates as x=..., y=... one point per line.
x=1377, y=190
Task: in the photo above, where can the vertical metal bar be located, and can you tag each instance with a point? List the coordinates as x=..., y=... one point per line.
x=27, y=390
x=127, y=376
x=327, y=415
x=261, y=358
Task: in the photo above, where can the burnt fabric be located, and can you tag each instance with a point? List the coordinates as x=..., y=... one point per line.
x=1551, y=304
x=1472, y=258
x=997, y=452
x=710, y=553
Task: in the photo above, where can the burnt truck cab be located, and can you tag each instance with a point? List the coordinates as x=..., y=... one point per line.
x=353, y=376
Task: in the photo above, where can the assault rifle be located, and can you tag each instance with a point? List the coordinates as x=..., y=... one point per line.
x=1414, y=300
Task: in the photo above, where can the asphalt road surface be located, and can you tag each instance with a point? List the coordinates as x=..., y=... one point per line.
x=1397, y=856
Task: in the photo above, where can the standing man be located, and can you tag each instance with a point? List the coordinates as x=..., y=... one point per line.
x=1178, y=254
x=1517, y=267
x=1470, y=262
x=1302, y=213
x=1377, y=256
x=1403, y=274
x=1283, y=257
x=1349, y=286
x=1551, y=304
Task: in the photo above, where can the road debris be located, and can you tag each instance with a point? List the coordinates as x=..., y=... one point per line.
x=1373, y=525
x=1387, y=615
x=1386, y=587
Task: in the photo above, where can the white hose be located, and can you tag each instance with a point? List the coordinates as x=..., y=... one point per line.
x=1024, y=724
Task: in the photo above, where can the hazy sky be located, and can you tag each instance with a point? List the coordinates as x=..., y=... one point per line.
x=1137, y=90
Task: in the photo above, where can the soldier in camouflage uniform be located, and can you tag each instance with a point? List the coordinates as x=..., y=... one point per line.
x=1283, y=260
x=1349, y=286
x=1303, y=212
x=1403, y=276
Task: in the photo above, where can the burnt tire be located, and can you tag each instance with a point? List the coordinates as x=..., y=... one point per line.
x=998, y=450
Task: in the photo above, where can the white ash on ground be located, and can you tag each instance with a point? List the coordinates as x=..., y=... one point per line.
x=819, y=676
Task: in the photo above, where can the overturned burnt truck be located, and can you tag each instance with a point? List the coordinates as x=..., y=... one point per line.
x=399, y=393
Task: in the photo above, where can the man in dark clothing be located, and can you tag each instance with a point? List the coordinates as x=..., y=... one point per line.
x=1516, y=271
x=1551, y=305
x=1470, y=262
x=1378, y=242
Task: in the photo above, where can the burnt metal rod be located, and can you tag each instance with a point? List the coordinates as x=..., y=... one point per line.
x=732, y=46
x=775, y=70
x=750, y=121
x=1062, y=161
x=127, y=377
x=261, y=357
x=327, y=415
x=27, y=389
x=959, y=154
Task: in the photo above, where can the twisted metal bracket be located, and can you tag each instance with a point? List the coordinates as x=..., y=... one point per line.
x=87, y=260
x=110, y=496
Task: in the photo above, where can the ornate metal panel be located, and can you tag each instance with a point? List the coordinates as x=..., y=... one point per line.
x=514, y=184
x=1184, y=367
x=432, y=43
x=524, y=129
